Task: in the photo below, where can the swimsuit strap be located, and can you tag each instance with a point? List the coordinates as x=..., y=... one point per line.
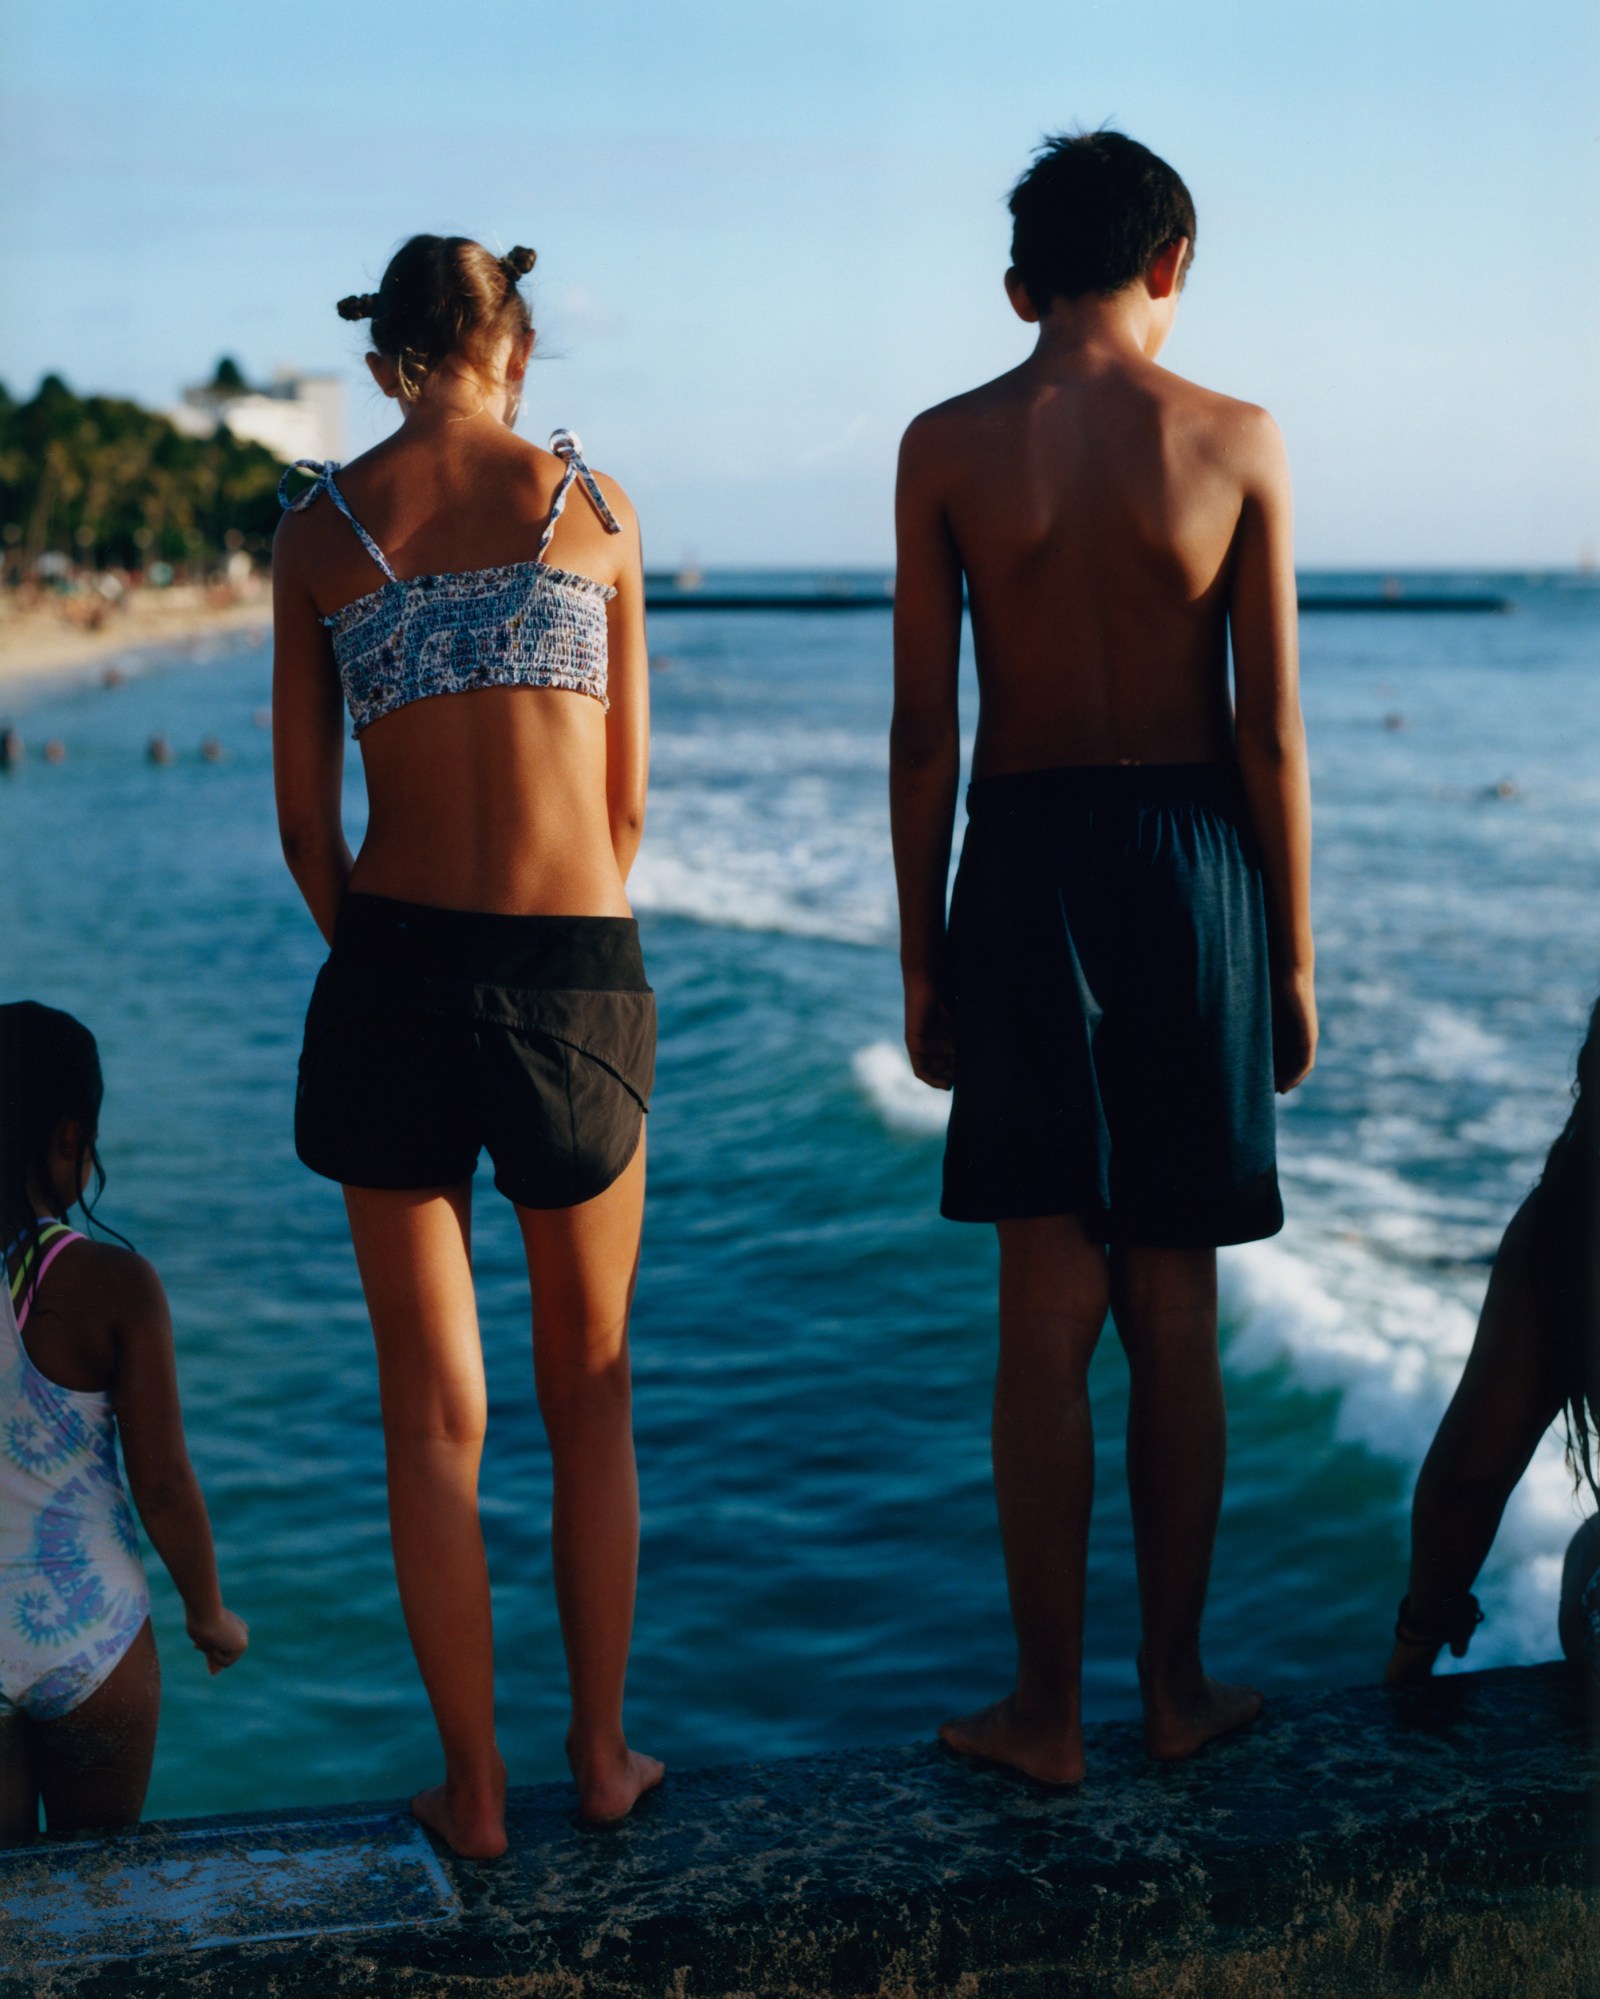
x=564, y=443
x=322, y=482
x=24, y=1289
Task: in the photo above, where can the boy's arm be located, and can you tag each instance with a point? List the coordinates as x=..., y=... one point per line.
x=160, y=1477
x=1263, y=624
x=924, y=746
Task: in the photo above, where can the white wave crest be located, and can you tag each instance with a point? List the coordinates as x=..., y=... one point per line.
x=900, y=1099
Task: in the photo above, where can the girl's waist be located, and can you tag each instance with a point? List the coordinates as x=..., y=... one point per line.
x=489, y=947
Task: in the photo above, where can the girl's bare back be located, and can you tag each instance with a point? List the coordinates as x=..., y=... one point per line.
x=495, y=799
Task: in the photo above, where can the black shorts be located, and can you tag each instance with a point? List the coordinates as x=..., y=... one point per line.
x=1109, y=979
x=435, y=1032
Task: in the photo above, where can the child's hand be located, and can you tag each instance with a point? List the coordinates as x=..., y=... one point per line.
x=930, y=1035
x=1294, y=1030
x=222, y=1638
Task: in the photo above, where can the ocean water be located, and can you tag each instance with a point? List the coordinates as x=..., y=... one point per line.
x=813, y=1346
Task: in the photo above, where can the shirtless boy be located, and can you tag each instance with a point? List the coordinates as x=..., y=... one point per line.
x=1126, y=974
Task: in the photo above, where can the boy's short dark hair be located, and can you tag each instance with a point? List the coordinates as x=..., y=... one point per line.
x=1091, y=213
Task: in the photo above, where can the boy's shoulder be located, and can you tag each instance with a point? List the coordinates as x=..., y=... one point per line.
x=1242, y=433
x=957, y=415
x=1210, y=422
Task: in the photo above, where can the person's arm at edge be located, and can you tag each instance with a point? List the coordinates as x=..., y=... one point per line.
x=1508, y=1396
x=924, y=745
x=160, y=1477
x=307, y=737
x=628, y=686
x=1270, y=737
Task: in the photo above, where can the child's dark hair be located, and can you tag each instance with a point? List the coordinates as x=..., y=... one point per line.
x=1091, y=214
x=1565, y=1250
x=443, y=295
x=49, y=1076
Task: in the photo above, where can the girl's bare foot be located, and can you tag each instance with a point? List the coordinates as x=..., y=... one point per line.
x=1175, y=1728
x=470, y=1819
x=611, y=1781
x=1049, y=1753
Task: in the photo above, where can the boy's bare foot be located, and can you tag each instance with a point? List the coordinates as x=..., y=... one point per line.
x=611, y=1781
x=1049, y=1754
x=1174, y=1729
x=471, y=1820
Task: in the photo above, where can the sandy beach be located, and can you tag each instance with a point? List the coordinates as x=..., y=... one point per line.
x=49, y=642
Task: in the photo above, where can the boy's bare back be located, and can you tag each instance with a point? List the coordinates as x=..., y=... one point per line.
x=1100, y=508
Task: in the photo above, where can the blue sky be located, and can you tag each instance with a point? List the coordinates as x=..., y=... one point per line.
x=769, y=234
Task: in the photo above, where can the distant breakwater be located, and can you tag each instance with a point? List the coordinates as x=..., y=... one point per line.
x=661, y=596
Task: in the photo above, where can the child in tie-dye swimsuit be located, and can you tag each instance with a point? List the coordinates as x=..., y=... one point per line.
x=85, y=1351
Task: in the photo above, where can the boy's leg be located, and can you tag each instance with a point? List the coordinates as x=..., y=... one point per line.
x=582, y=1263
x=1165, y=1305
x=1053, y=1298
x=413, y=1251
x=93, y=1764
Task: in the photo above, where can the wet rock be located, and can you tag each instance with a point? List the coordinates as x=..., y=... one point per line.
x=1427, y=1841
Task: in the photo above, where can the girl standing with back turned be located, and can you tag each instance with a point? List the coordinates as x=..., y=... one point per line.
x=480, y=603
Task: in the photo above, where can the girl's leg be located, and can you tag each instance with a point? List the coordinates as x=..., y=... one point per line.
x=93, y=1764
x=1053, y=1296
x=19, y=1783
x=1165, y=1304
x=582, y=1263
x=414, y=1254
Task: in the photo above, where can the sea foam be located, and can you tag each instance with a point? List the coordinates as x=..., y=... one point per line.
x=1347, y=1317
x=905, y=1103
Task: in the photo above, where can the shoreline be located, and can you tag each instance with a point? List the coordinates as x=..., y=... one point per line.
x=43, y=650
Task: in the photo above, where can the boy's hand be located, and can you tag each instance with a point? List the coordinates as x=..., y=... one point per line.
x=930, y=1034
x=222, y=1638
x=1294, y=1030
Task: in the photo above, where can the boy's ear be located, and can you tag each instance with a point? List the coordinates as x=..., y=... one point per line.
x=1021, y=304
x=1165, y=275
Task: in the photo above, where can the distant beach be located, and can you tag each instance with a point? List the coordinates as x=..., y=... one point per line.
x=50, y=643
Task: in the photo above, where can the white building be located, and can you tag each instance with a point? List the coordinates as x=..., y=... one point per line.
x=295, y=416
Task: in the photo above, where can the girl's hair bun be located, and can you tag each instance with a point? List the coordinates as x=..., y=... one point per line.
x=359, y=305
x=519, y=262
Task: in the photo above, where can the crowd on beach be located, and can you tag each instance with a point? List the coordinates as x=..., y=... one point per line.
x=1119, y=985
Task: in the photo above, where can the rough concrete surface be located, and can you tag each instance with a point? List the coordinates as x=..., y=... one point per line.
x=1432, y=1842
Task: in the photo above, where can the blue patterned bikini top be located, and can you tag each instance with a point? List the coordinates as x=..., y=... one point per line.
x=519, y=624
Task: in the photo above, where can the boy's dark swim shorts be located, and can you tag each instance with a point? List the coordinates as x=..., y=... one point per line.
x=1109, y=979
x=434, y=1032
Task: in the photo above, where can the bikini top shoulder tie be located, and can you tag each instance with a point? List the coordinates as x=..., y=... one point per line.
x=517, y=624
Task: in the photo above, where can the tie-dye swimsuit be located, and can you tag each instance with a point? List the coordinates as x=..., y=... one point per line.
x=72, y=1585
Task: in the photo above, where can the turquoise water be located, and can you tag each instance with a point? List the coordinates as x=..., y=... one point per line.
x=813, y=1345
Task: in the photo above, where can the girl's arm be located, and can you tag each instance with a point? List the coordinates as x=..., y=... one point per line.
x=307, y=736
x=1508, y=1396
x=165, y=1490
x=1270, y=738
x=628, y=723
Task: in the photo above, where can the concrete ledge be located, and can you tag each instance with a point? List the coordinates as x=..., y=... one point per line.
x=1431, y=1842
